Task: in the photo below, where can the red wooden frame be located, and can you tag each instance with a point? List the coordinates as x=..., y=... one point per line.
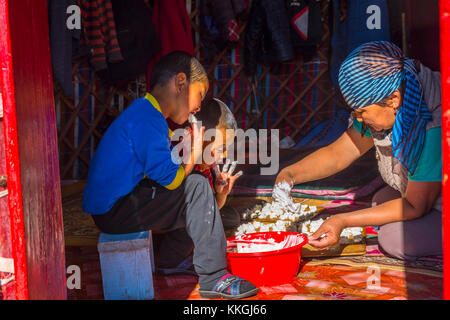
x=445, y=76
x=11, y=129
x=12, y=156
x=34, y=191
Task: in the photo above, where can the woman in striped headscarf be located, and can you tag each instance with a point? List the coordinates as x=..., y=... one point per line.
x=396, y=103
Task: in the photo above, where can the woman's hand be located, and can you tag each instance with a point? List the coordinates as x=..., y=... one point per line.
x=285, y=175
x=328, y=233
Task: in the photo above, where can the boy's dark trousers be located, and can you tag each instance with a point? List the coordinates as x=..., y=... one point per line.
x=187, y=215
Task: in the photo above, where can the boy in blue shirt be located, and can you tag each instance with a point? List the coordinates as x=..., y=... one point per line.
x=133, y=184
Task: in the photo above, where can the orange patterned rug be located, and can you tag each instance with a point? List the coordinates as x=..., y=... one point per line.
x=328, y=282
x=325, y=283
x=349, y=278
x=370, y=276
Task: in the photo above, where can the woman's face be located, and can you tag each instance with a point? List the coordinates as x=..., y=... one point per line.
x=379, y=117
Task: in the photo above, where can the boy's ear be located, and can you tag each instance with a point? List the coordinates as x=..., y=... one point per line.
x=180, y=81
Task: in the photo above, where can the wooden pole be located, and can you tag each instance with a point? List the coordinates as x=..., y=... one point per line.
x=12, y=156
x=32, y=151
x=445, y=76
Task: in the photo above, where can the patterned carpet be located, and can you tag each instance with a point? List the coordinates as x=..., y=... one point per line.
x=342, y=278
x=369, y=275
x=79, y=228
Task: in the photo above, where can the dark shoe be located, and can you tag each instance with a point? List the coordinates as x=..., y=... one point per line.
x=230, y=287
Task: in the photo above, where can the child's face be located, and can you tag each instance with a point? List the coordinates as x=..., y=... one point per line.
x=219, y=146
x=189, y=100
x=197, y=92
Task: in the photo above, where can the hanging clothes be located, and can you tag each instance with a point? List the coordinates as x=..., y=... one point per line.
x=99, y=32
x=173, y=28
x=267, y=36
x=137, y=38
x=363, y=21
x=61, y=46
x=305, y=18
x=219, y=24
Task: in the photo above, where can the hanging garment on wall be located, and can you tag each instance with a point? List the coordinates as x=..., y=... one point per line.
x=305, y=17
x=99, y=33
x=219, y=24
x=267, y=36
x=365, y=20
x=137, y=38
x=327, y=131
x=61, y=41
x=173, y=28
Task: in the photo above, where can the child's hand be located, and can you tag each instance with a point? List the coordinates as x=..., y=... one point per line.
x=197, y=143
x=185, y=142
x=225, y=180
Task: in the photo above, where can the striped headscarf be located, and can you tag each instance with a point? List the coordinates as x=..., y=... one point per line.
x=372, y=72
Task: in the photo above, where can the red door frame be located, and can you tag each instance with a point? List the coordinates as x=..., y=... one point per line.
x=34, y=191
x=445, y=80
x=12, y=157
x=8, y=79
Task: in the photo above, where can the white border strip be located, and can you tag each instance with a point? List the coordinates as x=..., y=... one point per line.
x=6, y=265
x=3, y=193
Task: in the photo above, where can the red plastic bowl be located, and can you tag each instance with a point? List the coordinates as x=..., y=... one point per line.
x=270, y=267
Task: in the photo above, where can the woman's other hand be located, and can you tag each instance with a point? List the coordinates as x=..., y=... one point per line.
x=328, y=234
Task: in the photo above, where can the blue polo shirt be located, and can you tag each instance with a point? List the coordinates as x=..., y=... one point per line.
x=137, y=144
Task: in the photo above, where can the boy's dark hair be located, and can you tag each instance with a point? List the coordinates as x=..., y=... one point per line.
x=214, y=113
x=174, y=63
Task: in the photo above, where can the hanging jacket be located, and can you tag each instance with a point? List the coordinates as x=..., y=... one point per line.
x=355, y=29
x=173, y=28
x=305, y=18
x=219, y=24
x=137, y=38
x=61, y=39
x=267, y=36
x=99, y=31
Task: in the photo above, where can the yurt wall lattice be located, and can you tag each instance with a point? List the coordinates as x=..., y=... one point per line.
x=294, y=100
